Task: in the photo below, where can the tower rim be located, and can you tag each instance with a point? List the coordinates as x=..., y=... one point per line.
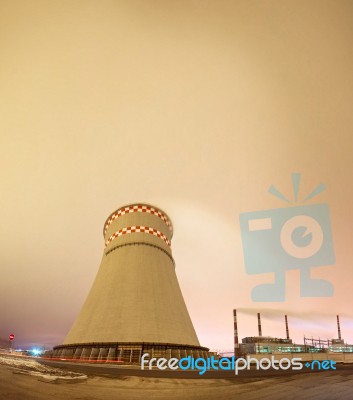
x=169, y=224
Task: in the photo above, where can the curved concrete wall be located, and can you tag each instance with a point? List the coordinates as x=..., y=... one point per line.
x=135, y=296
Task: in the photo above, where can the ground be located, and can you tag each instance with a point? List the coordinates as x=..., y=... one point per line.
x=328, y=385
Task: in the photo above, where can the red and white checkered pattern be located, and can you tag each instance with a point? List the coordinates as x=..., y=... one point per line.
x=137, y=208
x=137, y=229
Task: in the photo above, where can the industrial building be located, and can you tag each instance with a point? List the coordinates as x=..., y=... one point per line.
x=135, y=305
x=330, y=346
x=265, y=344
x=268, y=345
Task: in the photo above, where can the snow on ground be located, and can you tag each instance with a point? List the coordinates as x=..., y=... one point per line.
x=28, y=366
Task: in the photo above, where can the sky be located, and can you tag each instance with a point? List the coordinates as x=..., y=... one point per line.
x=197, y=107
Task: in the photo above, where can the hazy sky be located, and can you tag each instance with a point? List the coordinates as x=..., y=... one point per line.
x=194, y=106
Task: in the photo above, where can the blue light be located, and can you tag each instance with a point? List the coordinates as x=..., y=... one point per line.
x=36, y=352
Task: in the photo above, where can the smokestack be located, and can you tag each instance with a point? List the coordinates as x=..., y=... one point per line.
x=287, y=330
x=339, y=327
x=236, y=339
x=259, y=324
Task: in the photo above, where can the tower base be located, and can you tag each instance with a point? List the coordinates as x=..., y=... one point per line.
x=129, y=353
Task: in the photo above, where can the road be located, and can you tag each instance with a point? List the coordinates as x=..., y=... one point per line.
x=109, y=370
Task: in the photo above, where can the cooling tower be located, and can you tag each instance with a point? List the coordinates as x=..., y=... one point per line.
x=135, y=305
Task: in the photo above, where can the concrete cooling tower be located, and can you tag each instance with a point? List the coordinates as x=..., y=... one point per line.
x=135, y=305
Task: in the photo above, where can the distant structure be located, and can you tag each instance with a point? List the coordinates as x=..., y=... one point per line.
x=331, y=346
x=287, y=330
x=259, y=324
x=135, y=305
x=269, y=345
x=266, y=344
x=236, y=338
x=338, y=345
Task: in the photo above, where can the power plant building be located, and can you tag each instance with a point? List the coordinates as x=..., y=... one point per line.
x=269, y=345
x=266, y=344
x=135, y=305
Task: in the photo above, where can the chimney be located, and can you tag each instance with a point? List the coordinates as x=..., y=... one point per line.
x=259, y=324
x=287, y=330
x=339, y=327
x=236, y=339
